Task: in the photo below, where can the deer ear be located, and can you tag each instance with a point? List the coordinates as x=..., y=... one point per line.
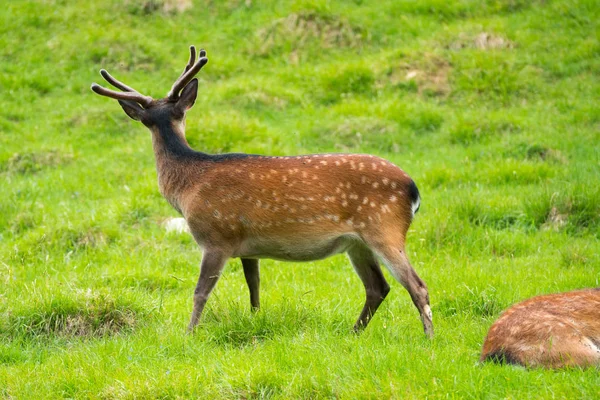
x=188, y=95
x=132, y=109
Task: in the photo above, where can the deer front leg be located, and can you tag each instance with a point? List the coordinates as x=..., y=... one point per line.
x=252, y=275
x=212, y=265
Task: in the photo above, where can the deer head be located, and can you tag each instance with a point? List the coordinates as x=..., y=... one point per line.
x=153, y=112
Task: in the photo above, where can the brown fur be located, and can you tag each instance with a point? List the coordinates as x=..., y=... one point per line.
x=552, y=331
x=297, y=208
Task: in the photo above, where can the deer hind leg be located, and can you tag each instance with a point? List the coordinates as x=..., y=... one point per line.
x=210, y=272
x=397, y=263
x=366, y=266
x=252, y=275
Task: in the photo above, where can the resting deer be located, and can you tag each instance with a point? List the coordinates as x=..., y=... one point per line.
x=298, y=208
x=552, y=331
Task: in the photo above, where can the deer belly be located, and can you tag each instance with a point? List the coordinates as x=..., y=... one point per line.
x=295, y=250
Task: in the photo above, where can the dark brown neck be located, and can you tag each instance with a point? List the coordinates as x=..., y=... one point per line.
x=177, y=164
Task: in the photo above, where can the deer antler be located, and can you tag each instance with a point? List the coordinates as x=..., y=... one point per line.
x=127, y=93
x=188, y=73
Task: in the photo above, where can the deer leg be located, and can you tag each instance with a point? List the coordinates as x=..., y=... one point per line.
x=366, y=266
x=252, y=275
x=397, y=263
x=210, y=271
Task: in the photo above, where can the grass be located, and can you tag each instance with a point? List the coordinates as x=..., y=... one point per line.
x=492, y=107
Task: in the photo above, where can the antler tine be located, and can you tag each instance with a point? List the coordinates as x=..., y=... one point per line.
x=192, y=59
x=128, y=93
x=133, y=96
x=118, y=84
x=189, y=73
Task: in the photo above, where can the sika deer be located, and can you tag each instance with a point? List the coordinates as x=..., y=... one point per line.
x=297, y=208
x=552, y=331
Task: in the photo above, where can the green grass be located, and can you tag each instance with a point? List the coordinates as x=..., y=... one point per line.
x=492, y=107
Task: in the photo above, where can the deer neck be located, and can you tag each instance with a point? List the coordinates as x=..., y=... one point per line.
x=177, y=164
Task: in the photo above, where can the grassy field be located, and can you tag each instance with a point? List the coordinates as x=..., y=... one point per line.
x=491, y=106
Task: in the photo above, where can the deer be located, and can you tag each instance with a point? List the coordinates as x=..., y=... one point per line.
x=288, y=208
x=551, y=331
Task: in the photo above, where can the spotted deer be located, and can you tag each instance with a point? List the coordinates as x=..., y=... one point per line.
x=551, y=331
x=296, y=208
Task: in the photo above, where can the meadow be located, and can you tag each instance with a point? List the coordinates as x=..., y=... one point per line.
x=491, y=106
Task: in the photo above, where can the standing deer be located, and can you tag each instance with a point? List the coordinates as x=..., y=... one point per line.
x=552, y=331
x=297, y=208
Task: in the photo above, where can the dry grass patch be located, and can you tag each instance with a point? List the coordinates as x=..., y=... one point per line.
x=145, y=7
x=481, y=41
x=426, y=75
x=298, y=30
x=32, y=162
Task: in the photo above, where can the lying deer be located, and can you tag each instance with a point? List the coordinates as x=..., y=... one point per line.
x=298, y=208
x=552, y=331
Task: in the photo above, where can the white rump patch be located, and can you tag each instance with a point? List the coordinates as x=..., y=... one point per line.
x=415, y=206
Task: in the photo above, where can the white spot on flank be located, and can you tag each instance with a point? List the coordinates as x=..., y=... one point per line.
x=251, y=175
x=365, y=200
x=375, y=185
x=372, y=204
x=385, y=181
x=337, y=163
x=363, y=179
x=394, y=185
x=359, y=208
x=323, y=162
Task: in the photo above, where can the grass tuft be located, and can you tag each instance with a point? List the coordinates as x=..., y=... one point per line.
x=473, y=303
x=230, y=325
x=92, y=315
